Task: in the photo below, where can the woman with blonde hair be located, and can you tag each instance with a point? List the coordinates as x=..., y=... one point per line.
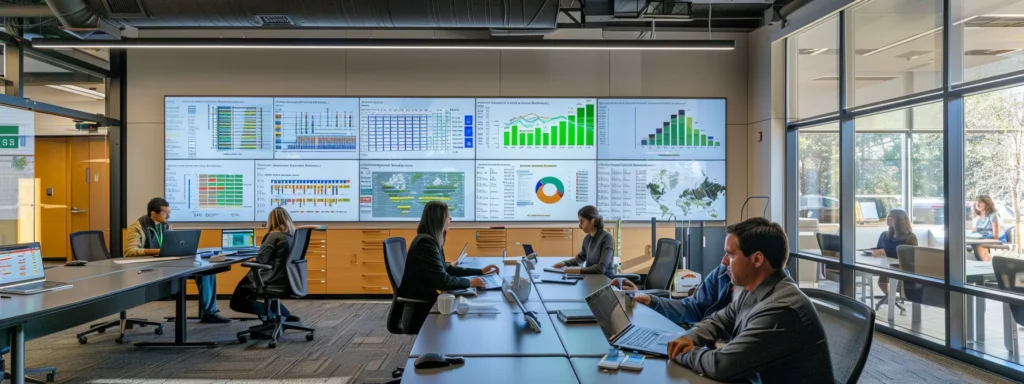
x=274, y=250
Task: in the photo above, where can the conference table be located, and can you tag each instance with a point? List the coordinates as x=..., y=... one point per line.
x=100, y=289
x=501, y=348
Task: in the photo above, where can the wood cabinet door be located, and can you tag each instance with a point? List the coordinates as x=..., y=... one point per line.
x=547, y=242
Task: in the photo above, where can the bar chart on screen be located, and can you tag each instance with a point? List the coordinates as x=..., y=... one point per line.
x=311, y=190
x=684, y=129
x=536, y=128
x=416, y=128
x=218, y=128
x=316, y=128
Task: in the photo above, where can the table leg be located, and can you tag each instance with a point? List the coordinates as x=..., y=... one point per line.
x=180, y=324
x=971, y=336
x=17, y=339
x=979, y=320
x=1009, y=331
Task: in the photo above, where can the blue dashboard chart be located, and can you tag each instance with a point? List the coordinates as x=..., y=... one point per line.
x=639, y=190
x=397, y=191
x=200, y=190
x=311, y=190
x=218, y=127
x=667, y=129
x=536, y=129
x=533, y=190
x=316, y=128
x=416, y=128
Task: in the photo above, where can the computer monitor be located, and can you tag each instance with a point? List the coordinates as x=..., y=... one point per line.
x=237, y=238
x=20, y=262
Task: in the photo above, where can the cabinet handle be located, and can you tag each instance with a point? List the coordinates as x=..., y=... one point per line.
x=373, y=262
x=374, y=274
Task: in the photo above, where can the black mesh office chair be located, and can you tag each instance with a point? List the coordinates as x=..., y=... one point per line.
x=399, y=320
x=1006, y=271
x=849, y=328
x=298, y=286
x=91, y=246
x=658, y=280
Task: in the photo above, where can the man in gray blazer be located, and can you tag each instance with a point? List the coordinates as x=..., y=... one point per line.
x=772, y=330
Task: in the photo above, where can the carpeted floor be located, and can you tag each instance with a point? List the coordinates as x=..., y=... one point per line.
x=352, y=345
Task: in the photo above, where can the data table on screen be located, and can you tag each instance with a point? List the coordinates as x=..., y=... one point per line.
x=199, y=190
x=528, y=128
x=398, y=190
x=681, y=190
x=316, y=128
x=218, y=128
x=533, y=190
x=416, y=128
x=311, y=190
x=666, y=129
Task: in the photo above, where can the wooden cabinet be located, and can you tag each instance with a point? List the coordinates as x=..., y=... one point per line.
x=482, y=242
x=355, y=261
x=547, y=242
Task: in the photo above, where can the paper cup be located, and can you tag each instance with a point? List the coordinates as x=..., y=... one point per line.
x=446, y=303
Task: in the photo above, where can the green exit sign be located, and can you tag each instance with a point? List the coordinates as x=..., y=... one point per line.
x=9, y=142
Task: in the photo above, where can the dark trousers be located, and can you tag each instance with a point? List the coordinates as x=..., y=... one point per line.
x=245, y=300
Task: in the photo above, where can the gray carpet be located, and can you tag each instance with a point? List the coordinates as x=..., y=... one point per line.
x=352, y=345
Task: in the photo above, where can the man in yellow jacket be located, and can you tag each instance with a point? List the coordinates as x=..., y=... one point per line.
x=146, y=235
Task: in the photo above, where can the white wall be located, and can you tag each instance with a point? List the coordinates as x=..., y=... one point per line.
x=152, y=74
x=766, y=126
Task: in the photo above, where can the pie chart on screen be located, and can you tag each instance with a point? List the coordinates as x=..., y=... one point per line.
x=555, y=185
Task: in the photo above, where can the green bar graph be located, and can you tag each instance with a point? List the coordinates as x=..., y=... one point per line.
x=678, y=131
x=571, y=130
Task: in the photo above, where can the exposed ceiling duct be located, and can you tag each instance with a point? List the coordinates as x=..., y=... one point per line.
x=508, y=14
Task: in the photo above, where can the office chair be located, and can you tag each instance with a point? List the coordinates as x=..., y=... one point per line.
x=927, y=262
x=298, y=286
x=91, y=246
x=831, y=246
x=1006, y=271
x=849, y=328
x=399, y=320
x=658, y=281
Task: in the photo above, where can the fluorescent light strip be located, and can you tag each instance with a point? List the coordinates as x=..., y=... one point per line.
x=904, y=41
x=1009, y=52
x=817, y=51
x=79, y=91
x=407, y=44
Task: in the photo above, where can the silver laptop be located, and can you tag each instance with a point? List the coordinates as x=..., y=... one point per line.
x=462, y=255
x=621, y=333
x=21, y=270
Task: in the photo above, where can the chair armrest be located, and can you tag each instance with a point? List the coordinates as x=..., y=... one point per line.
x=297, y=262
x=628, y=276
x=404, y=300
x=254, y=265
x=656, y=292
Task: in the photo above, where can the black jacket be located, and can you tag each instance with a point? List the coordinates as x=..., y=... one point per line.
x=274, y=251
x=426, y=272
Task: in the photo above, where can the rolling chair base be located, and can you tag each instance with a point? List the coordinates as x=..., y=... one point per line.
x=275, y=330
x=127, y=324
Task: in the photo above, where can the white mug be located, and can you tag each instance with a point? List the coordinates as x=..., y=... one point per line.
x=446, y=303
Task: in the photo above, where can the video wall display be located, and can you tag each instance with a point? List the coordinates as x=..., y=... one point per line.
x=327, y=159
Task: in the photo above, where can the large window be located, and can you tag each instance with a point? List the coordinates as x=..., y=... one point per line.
x=814, y=72
x=896, y=49
x=905, y=116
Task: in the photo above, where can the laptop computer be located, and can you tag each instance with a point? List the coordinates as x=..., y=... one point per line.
x=241, y=241
x=621, y=333
x=180, y=243
x=462, y=255
x=21, y=270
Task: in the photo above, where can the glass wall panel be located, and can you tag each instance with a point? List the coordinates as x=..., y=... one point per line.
x=992, y=32
x=19, y=194
x=896, y=49
x=814, y=70
x=819, y=190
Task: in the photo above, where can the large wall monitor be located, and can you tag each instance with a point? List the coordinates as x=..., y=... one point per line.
x=490, y=159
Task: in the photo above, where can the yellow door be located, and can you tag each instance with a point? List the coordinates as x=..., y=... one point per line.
x=52, y=172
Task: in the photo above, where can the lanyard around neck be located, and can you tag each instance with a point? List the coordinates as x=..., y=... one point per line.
x=159, y=233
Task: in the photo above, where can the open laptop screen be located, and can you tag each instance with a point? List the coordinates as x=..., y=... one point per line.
x=20, y=262
x=608, y=312
x=237, y=238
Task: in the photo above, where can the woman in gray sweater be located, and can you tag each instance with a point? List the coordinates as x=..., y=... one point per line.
x=598, y=253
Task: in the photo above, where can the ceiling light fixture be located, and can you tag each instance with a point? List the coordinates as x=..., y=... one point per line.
x=79, y=91
x=817, y=51
x=406, y=44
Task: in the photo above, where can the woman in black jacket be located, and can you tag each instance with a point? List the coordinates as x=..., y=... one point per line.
x=274, y=250
x=426, y=271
